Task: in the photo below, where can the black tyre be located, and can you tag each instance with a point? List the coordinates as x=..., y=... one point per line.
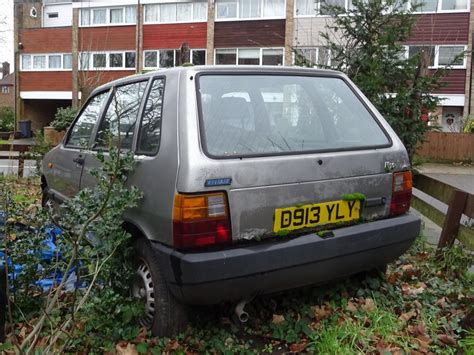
x=163, y=314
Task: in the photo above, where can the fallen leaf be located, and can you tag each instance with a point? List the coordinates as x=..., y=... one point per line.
x=321, y=312
x=368, y=305
x=417, y=304
x=408, y=315
x=298, y=347
x=351, y=306
x=173, y=345
x=442, y=302
x=393, y=277
x=123, y=348
x=278, y=319
x=407, y=267
x=446, y=339
x=423, y=342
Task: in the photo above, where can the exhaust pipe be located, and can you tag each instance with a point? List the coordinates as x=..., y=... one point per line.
x=240, y=312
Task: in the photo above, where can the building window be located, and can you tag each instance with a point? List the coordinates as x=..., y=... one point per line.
x=440, y=56
x=198, y=56
x=176, y=12
x=313, y=56
x=249, y=56
x=26, y=62
x=451, y=55
x=107, y=61
x=243, y=9
x=39, y=62
x=306, y=7
x=53, y=14
x=108, y=16
x=167, y=58
x=272, y=57
x=67, y=61
x=5, y=89
x=45, y=62
x=99, y=16
x=450, y=5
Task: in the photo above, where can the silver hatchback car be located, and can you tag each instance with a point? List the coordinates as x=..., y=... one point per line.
x=255, y=180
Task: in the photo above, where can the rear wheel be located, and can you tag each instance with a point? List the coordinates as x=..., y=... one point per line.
x=163, y=314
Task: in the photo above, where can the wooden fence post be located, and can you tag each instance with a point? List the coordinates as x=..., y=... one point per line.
x=452, y=220
x=21, y=165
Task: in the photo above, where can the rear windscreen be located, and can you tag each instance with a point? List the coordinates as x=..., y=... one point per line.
x=245, y=115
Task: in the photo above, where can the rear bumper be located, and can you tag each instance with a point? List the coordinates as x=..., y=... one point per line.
x=243, y=271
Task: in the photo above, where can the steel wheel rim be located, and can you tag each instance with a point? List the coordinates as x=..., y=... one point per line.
x=143, y=290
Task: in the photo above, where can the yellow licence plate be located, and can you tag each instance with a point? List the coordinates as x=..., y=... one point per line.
x=308, y=216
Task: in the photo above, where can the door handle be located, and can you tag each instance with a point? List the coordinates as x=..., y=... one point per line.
x=79, y=160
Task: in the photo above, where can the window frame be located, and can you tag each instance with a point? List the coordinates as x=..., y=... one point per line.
x=158, y=20
x=202, y=135
x=5, y=89
x=141, y=114
x=437, y=47
x=65, y=141
x=107, y=16
x=46, y=68
x=95, y=131
x=439, y=9
x=238, y=18
x=107, y=67
x=195, y=50
x=261, y=49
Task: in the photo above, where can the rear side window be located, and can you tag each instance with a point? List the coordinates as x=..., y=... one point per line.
x=245, y=115
x=150, y=130
x=121, y=116
x=84, y=125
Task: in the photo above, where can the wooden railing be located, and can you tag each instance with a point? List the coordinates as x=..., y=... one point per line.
x=459, y=203
x=22, y=150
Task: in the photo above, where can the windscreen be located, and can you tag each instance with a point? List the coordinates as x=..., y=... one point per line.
x=245, y=115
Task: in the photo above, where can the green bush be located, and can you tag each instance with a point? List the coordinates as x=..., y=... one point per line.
x=469, y=126
x=63, y=118
x=7, y=119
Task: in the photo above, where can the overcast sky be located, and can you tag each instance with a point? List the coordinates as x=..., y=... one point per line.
x=6, y=31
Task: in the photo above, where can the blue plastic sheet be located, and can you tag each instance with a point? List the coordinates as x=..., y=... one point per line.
x=48, y=253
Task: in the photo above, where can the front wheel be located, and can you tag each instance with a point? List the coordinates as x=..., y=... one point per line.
x=163, y=314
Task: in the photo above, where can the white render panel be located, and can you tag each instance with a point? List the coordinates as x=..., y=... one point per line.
x=64, y=15
x=307, y=31
x=46, y=95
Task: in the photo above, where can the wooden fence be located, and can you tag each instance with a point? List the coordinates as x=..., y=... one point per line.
x=459, y=203
x=22, y=150
x=447, y=146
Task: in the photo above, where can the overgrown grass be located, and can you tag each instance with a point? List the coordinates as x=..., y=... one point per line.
x=417, y=306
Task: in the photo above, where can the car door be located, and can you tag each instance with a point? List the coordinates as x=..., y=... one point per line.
x=64, y=164
x=118, y=124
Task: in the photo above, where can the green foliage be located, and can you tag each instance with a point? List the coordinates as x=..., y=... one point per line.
x=63, y=118
x=367, y=46
x=469, y=125
x=93, y=244
x=354, y=196
x=7, y=119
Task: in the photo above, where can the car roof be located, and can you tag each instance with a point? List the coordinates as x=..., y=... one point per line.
x=268, y=69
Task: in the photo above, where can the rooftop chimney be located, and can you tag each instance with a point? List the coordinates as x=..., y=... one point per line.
x=5, y=69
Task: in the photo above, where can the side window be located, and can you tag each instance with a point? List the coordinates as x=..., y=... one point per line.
x=82, y=129
x=150, y=129
x=121, y=116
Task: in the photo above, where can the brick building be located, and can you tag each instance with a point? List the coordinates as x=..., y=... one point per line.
x=7, y=86
x=66, y=48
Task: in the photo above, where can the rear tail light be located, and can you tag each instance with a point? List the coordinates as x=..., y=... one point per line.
x=200, y=220
x=401, y=193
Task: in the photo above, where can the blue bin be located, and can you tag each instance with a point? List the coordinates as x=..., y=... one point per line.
x=25, y=128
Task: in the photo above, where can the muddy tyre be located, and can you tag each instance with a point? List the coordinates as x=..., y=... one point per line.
x=163, y=314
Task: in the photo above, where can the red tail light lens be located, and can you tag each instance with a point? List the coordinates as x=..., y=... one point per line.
x=401, y=193
x=200, y=220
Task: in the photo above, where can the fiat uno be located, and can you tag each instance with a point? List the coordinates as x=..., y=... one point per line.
x=255, y=180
